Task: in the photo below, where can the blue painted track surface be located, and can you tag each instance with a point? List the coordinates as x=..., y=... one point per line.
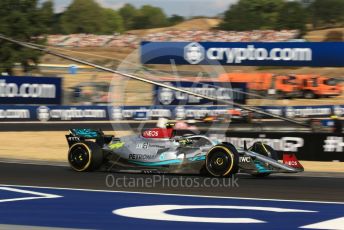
x=93, y=210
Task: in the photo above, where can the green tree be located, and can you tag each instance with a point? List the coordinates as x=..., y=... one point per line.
x=292, y=16
x=149, y=17
x=327, y=12
x=56, y=24
x=175, y=19
x=252, y=14
x=20, y=19
x=113, y=21
x=128, y=12
x=47, y=15
x=83, y=16
x=87, y=16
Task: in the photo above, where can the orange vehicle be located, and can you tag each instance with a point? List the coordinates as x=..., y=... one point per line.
x=265, y=83
x=314, y=86
x=231, y=115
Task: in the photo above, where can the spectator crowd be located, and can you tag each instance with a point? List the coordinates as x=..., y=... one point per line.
x=132, y=41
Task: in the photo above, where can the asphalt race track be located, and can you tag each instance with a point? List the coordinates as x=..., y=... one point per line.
x=42, y=202
x=293, y=187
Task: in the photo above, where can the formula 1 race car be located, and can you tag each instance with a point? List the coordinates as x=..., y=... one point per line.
x=159, y=150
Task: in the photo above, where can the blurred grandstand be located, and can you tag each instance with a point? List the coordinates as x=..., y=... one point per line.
x=132, y=40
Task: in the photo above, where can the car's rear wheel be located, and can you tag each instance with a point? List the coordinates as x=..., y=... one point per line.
x=222, y=160
x=265, y=150
x=85, y=156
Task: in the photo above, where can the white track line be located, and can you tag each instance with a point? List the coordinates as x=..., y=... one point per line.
x=334, y=224
x=171, y=194
x=38, y=195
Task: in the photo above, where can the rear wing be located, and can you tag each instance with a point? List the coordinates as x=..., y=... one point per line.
x=81, y=135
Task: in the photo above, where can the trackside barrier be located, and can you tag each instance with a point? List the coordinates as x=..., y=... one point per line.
x=306, y=146
x=100, y=113
x=104, y=113
x=235, y=92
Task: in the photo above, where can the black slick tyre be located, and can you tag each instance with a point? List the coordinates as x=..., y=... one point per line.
x=222, y=160
x=85, y=156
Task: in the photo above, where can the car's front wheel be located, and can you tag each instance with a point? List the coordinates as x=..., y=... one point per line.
x=85, y=156
x=222, y=160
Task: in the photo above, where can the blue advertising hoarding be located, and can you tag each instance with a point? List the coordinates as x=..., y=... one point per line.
x=17, y=113
x=170, y=112
x=233, y=92
x=305, y=111
x=329, y=54
x=30, y=90
x=53, y=113
x=104, y=113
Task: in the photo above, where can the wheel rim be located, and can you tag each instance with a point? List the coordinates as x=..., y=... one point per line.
x=79, y=157
x=218, y=163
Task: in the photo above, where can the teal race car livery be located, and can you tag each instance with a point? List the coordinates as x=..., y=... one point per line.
x=160, y=150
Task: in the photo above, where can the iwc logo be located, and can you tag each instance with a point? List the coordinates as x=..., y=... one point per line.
x=166, y=96
x=194, y=53
x=43, y=113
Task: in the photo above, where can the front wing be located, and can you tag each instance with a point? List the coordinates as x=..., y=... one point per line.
x=252, y=162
